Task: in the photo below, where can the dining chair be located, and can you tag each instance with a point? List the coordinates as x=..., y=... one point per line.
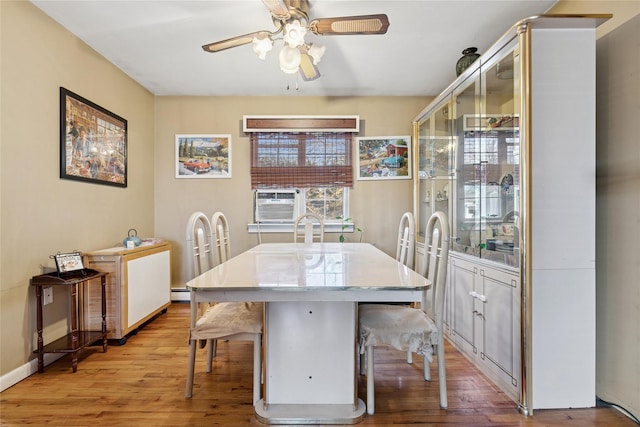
x=230, y=321
x=408, y=328
x=220, y=231
x=311, y=232
x=221, y=234
x=406, y=240
x=405, y=252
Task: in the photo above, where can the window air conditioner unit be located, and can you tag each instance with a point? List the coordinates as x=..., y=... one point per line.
x=276, y=205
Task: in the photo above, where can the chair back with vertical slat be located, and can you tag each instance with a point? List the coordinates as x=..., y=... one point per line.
x=435, y=263
x=221, y=236
x=313, y=228
x=406, y=239
x=199, y=236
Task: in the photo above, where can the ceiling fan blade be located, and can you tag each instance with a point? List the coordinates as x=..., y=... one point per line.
x=234, y=41
x=364, y=24
x=308, y=70
x=278, y=9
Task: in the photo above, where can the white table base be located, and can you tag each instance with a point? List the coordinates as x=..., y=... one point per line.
x=310, y=414
x=310, y=363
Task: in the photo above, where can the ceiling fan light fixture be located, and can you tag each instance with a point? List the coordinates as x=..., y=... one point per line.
x=291, y=21
x=262, y=46
x=316, y=52
x=290, y=59
x=294, y=33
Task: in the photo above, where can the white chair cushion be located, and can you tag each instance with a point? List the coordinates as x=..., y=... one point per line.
x=403, y=328
x=229, y=318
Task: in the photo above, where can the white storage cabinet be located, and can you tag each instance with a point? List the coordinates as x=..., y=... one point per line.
x=138, y=286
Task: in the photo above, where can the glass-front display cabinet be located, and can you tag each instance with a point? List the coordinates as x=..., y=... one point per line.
x=507, y=151
x=487, y=161
x=435, y=165
x=467, y=162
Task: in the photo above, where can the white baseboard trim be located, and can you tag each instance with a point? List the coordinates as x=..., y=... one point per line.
x=180, y=294
x=14, y=377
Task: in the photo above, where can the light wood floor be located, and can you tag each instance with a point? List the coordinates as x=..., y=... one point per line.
x=142, y=384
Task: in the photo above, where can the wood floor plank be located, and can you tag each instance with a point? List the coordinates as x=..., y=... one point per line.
x=142, y=383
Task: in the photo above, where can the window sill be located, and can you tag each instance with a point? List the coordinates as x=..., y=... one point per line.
x=287, y=227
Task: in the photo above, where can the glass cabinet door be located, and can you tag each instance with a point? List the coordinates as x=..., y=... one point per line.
x=488, y=150
x=425, y=171
x=502, y=121
x=435, y=165
x=470, y=167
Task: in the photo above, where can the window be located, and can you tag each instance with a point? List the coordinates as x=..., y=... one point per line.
x=328, y=202
x=277, y=205
x=317, y=163
x=301, y=160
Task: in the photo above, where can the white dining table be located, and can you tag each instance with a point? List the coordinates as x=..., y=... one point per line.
x=311, y=293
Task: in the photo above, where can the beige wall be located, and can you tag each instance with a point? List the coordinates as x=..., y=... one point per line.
x=376, y=206
x=42, y=214
x=617, y=200
x=618, y=217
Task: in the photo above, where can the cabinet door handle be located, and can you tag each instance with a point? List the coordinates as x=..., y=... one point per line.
x=482, y=298
x=473, y=294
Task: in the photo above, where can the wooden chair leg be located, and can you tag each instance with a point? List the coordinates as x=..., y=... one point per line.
x=211, y=350
x=191, y=366
x=370, y=384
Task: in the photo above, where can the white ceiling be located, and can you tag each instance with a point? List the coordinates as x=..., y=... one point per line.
x=158, y=44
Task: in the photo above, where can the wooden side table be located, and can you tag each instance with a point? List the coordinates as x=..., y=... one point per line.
x=76, y=339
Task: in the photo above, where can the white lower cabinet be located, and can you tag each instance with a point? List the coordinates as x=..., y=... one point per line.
x=484, y=316
x=138, y=287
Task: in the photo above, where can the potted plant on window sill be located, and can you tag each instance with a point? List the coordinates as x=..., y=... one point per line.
x=344, y=226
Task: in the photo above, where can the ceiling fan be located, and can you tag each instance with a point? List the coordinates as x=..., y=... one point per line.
x=291, y=20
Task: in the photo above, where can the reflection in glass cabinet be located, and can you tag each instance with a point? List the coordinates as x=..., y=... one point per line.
x=487, y=126
x=468, y=162
x=435, y=165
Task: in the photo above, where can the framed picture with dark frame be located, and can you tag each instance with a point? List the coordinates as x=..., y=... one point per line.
x=93, y=142
x=383, y=157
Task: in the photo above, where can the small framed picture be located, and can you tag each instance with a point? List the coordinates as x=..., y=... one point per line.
x=203, y=156
x=67, y=262
x=383, y=157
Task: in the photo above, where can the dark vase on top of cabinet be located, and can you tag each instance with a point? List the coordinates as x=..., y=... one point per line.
x=469, y=55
